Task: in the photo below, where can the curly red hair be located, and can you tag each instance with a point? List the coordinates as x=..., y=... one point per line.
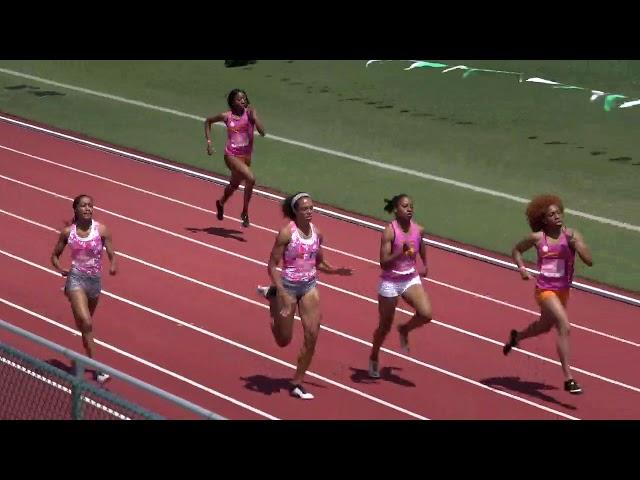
x=537, y=209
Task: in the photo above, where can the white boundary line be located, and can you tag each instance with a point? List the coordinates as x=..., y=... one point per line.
x=217, y=337
x=263, y=264
x=309, y=146
x=366, y=260
x=131, y=356
x=330, y=213
x=266, y=307
x=406, y=312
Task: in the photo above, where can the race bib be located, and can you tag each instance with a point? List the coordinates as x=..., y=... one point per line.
x=552, y=267
x=239, y=140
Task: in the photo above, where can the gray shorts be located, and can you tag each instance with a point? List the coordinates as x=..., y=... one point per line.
x=91, y=284
x=298, y=289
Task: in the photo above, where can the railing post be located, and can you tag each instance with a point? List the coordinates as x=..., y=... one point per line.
x=76, y=400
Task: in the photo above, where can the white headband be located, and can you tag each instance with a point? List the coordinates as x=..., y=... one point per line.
x=296, y=198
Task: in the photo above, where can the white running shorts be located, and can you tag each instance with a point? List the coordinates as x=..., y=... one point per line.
x=395, y=288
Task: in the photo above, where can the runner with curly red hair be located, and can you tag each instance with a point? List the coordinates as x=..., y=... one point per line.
x=556, y=246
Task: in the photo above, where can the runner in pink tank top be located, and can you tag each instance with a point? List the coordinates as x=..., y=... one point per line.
x=400, y=277
x=299, y=257
x=299, y=247
x=86, y=252
x=403, y=267
x=556, y=246
x=555, y=263
x=239, y=134
x=85, y=238
x=240, y=120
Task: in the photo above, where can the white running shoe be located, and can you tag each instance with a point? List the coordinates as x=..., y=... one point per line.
x=102, y=377
x=266, y=292
x=374, y=369
x=300, y=392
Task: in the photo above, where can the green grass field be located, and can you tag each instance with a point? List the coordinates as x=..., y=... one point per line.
x=488, y=131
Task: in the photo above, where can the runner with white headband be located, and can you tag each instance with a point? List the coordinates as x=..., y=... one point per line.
x=299, y=247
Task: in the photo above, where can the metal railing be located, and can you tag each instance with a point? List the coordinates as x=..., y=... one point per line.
x=78, y=385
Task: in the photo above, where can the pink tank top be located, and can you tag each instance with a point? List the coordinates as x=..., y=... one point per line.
x=404, y=267
x=239, y=134
x=555, y=263
x=86, y=252
x=299, y=259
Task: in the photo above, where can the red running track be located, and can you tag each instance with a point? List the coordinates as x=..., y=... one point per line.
x=184, y=300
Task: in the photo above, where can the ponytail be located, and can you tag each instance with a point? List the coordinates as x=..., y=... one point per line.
x=390, y=205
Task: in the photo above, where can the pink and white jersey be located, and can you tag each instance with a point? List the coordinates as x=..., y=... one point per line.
x=404, y=267
x=86, y=252
x=239, y=134
x=555, y=263
x=299, y=259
